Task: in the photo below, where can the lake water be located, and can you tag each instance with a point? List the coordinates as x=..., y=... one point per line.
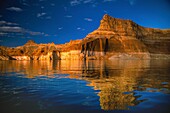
x=117, y=86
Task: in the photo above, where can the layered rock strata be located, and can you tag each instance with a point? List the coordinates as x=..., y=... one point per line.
x=118, y=38
x=115, y=38
x=30, y=51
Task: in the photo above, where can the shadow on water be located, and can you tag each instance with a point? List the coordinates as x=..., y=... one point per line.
x=120, y=83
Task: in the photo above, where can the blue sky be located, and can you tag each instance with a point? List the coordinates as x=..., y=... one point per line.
x=60, y=21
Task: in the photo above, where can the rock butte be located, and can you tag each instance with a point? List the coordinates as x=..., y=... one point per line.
x=115, y=38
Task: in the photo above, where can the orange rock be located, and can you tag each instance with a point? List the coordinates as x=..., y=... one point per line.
x=115, y=38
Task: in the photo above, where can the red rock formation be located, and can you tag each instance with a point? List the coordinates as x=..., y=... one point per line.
x=115, y=38
x=30, y=43
x=30, y=51
x=118, y=38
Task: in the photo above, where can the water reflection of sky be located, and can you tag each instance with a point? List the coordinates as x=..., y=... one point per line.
x=135, y=85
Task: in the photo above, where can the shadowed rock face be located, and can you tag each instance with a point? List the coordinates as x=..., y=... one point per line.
x=115, y=38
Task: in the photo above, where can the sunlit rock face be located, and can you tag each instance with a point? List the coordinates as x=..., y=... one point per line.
x=3, y=54
x=30, y=51
x=118, y=38
x=30, y=43
x=71, y=50
x=71, y=55
x=21, y=57
x=114, y=38
x=134, y=41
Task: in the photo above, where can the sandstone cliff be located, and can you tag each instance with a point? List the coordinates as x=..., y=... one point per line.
x=114, y=38
x=30, y=51
x=118, y=38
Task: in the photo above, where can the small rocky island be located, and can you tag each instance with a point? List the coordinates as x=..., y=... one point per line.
x=114, y=38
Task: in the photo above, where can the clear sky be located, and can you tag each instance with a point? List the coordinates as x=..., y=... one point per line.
x=60, y=21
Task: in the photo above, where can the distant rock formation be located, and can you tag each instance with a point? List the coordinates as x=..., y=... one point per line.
x=30, y=51
x=30, y=43
x=115, y=38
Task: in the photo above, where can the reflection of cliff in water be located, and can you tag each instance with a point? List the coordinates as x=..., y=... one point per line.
x=116, y=80
x=29, y=68
x=114, y=83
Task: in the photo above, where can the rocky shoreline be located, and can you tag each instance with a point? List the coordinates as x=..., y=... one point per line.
x=115, y=38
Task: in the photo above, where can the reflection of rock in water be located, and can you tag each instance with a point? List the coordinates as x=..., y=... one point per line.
x=31, y=69
x=116, y=83
x=116, y=80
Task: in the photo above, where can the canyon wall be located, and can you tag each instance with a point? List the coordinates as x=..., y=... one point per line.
x=118, y=38
x=114, y=38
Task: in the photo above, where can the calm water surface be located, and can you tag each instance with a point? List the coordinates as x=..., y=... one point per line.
x=116, y=86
